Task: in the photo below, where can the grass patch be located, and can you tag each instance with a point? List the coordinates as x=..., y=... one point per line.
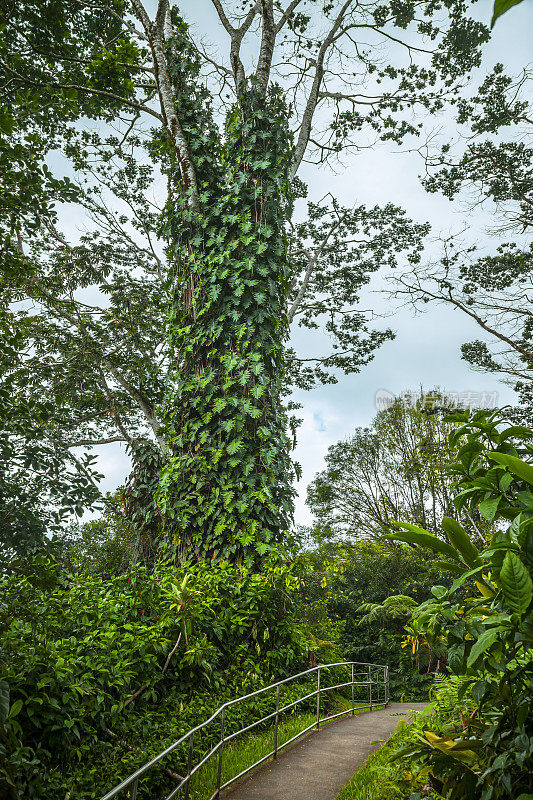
x=244, y=751
x=378, y=779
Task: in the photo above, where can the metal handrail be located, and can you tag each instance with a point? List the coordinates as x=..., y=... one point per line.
x=132, y=781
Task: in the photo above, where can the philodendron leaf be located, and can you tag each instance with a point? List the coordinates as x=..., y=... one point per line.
x=500, y=7
x=516, y=583
x=4, y=700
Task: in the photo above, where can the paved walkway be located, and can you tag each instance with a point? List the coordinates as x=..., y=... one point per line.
x=317, y=766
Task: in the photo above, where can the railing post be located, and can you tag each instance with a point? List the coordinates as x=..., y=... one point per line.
x=386, y=686
x=318, y=699
x=370, y=687
x=277, y=720
x=189, y=767
x=220, y=752
x=353, y=693
x=133, y=790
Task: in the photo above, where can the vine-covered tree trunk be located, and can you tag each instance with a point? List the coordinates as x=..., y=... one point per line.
x=227, y=487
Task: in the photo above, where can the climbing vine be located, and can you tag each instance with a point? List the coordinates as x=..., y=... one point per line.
x=226, y=487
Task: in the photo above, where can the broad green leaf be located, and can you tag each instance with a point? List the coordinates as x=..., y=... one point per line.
x=526, y=498
x=515, y=465
x=481, y=645
x=464, y=577
x=517, y=432
x=461, y=541
x=451, y=566
x=414, y=535
x=516, y=583
x=500, y=7
x=488, y=508
x=15, y=709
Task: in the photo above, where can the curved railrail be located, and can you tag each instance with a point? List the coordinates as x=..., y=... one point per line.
x=376, y=678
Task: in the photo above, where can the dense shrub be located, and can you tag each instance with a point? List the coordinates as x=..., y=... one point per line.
x=87, y=672
x=340, y=578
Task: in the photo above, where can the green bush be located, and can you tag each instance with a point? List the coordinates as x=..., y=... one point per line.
x=340, y=578
x=89, y=688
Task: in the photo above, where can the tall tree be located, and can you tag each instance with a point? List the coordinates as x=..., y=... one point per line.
x=397, y=466
x=236, y=274
x=494, y=289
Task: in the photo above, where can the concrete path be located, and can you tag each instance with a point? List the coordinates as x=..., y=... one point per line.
x=317, y=766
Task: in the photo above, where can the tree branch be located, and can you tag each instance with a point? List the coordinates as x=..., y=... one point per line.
x=91, y=442
x=286, y=14
x=156, y=36
x=312, y=100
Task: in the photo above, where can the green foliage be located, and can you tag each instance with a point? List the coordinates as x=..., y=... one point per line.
x=500, y=7
x=234, y=277
x=395, y=469
x=225, y=490
x=346, y=592
x=490, y=631
x=40, y=484
x=105, y=546
x=93, y=663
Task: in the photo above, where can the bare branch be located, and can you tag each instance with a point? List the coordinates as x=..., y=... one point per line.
x=223, y=18
x=94, y=442
x=156, y=36
x=167, y=662
x=312, y=100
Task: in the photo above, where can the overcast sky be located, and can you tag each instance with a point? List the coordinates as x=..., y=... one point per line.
x=426, y=351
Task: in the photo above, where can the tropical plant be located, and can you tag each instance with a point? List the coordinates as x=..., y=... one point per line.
x=501, y=7
x=106, y=670
x=489, y=631
x=395, y=607
x=343, y=582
